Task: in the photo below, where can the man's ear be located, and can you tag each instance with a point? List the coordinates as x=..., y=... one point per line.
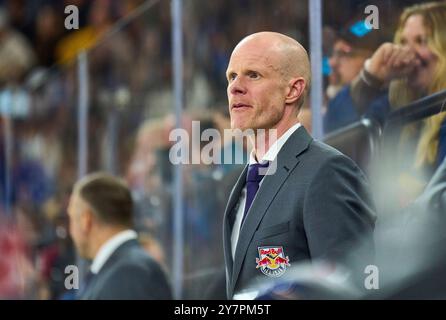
x=296, y=88
x=86, y=220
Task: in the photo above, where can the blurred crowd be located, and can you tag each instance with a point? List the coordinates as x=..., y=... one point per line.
x=131, y=115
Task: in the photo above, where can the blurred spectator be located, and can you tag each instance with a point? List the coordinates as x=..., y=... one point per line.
x=20, y=14
x=415, y=66
x=30, y=182
x=16, y=270
x=355, y=43
x=100, y=21
x=58, y=252
x=421, y=31
x=153, y=247
x=30, y=227
x=49, y=30
x=149, y=178
x=16, y=54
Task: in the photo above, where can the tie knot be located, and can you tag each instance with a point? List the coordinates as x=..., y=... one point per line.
x=256, y=172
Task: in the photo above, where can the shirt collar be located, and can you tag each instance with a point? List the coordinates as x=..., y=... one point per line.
x=273, y=150
x=110, y=246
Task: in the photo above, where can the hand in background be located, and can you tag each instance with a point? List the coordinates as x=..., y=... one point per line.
x=391, y=61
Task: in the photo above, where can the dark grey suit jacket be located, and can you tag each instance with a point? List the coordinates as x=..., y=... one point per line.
x=316, y=205
x=129, y=274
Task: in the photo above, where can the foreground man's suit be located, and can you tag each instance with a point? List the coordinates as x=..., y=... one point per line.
x=316, y=205
x=129, y=274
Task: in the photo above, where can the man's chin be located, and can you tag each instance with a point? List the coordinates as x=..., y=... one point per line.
x=238, y=126
x=242, y=123
x=244, y=129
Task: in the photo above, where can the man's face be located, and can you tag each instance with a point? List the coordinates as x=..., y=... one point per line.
x=346, y=62
x=256, y=87
x=76, y=210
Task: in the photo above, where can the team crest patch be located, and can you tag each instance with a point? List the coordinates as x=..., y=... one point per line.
x=272, y=261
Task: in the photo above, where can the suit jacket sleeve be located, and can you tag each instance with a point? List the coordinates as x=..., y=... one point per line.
x=338, y=210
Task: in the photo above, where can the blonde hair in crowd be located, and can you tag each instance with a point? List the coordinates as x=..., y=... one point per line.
x=434, y=20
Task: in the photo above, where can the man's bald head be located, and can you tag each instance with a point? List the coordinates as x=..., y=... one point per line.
x=291, y=57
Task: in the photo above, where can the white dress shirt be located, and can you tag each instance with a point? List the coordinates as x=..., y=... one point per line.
x=270, y=156
x=110, y=246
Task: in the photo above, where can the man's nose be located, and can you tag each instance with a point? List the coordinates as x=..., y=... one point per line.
x=237, y=87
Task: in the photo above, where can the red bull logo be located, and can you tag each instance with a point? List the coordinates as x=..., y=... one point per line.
x=272, y=261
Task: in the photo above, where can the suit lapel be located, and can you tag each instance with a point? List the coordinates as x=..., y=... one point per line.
x=229, y=218
x=286, y=161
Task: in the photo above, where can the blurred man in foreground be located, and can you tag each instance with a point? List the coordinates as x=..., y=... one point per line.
x=100, y=212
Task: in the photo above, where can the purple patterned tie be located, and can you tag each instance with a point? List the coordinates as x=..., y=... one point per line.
x=253, y=179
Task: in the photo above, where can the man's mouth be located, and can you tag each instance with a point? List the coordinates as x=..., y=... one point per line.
x=240, y=106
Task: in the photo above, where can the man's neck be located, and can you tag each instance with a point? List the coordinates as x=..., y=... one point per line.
x=262, y=141
x=101, y=238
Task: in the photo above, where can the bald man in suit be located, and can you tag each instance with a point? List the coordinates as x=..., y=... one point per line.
x=298, y=199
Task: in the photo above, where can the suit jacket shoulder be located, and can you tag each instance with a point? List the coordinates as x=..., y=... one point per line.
x=129, y=274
